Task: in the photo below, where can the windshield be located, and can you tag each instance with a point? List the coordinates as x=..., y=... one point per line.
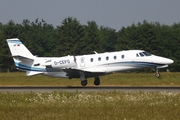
x=142, y=54
x=146, y=53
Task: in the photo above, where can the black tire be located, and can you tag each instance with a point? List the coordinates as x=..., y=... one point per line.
x=84, y=82
x=97, y=81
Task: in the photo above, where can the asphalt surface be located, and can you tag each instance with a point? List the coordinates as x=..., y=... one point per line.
x=89, y=88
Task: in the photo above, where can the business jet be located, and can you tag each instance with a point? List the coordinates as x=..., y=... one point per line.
x=84, y=66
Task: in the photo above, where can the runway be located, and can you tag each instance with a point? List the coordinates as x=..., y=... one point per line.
x=89, y=88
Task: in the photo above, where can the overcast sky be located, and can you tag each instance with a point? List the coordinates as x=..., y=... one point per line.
x=109, y=13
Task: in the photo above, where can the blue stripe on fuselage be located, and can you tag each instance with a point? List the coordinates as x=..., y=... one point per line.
x=136, y=64
x=29, y=68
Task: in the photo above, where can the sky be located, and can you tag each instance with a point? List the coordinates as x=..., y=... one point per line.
x=108, y=13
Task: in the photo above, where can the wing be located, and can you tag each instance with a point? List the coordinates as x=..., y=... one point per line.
x=75, y=73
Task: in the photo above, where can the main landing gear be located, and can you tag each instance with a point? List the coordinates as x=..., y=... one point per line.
x=84, y=80
x=96, y=81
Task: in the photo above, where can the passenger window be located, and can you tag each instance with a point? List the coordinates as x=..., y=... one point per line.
x=82, y=60
x=99, y=59
x=91, y=60
x=115, y=57
x=122, y=56
x=107, y=58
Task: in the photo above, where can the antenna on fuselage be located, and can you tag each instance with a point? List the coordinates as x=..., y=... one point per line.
x=95, y=52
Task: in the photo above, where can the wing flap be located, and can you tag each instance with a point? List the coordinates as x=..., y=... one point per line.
x=94, y=70
x=75, y=73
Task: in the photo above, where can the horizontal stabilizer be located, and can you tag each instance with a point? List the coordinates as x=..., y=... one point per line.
x=75, y=73
x=22, y=58
x=31, y=73
x=89, y=70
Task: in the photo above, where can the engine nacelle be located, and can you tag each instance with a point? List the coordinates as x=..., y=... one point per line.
x=64, y=62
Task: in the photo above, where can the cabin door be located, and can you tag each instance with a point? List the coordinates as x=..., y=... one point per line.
x=82, y=62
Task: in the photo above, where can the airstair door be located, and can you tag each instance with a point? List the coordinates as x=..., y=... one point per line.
x=82, y=62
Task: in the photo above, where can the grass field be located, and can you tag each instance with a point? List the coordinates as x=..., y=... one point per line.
x=132, y=79
x=90, y=105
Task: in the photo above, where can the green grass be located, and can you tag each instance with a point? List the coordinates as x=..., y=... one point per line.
x=133, y=79
x=90, y=106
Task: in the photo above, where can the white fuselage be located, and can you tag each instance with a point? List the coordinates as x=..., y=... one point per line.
x=103, y=63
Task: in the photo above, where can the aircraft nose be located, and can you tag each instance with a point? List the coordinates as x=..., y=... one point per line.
x=169, y=61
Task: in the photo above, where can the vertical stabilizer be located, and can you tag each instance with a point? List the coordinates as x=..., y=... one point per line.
x=22, y=57
x=17, y=48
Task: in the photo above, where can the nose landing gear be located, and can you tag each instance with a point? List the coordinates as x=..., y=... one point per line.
x=158, y=75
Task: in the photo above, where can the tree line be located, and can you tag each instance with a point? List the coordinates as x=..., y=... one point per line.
x=74, y=38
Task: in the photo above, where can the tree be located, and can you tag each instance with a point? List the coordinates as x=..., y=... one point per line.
x=10, y=30
x=70, y=35
x=147, y=37
x=108, y=39
x=91, y=38
x=38, y=36
x=126, y=38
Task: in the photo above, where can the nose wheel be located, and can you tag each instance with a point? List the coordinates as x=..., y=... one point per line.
x=158, y=75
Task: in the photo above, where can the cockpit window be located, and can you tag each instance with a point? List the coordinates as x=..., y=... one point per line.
x=141, y=54
x=146, y=53
x=137, y=55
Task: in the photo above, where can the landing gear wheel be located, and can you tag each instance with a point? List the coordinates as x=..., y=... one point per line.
x=97, y=81
x=158, y=75
x=84, y=82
